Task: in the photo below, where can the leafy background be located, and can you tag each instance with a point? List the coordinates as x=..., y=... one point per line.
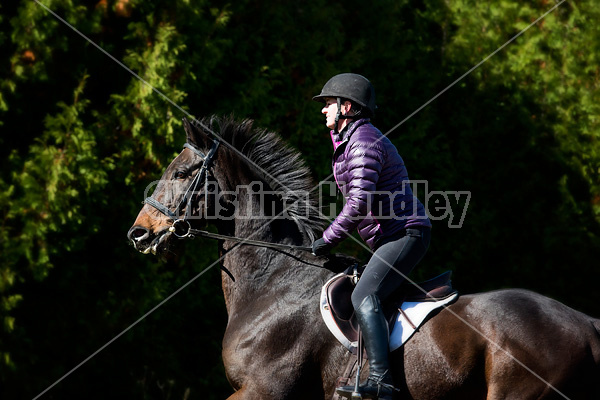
x=81, y=138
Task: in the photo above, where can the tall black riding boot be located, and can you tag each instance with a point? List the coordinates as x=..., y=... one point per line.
x=374, y=328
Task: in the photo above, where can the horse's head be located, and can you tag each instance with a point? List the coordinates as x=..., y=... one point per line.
x=253, y=186
x=175, y=204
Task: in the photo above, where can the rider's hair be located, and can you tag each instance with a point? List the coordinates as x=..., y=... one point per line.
x=357, y=109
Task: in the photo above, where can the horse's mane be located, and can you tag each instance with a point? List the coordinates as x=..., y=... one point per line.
x=280, y=166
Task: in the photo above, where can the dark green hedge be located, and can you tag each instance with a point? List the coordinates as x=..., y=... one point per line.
x=80, y=139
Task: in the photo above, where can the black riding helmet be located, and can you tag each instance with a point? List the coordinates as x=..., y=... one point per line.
x=353, y=87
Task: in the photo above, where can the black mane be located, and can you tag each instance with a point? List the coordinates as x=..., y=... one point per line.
x=278, y=165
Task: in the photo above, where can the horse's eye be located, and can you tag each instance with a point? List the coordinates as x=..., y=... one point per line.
x=180, y=174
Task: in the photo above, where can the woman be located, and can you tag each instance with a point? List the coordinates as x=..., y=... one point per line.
x=380, y=204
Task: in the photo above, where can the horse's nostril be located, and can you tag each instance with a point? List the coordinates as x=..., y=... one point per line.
x=137, y=233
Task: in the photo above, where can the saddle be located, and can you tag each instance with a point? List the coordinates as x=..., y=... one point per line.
x=406, y=309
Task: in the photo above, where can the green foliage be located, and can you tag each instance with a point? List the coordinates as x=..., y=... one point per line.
x=43, y=198
x=61, y=166
x=81, y=138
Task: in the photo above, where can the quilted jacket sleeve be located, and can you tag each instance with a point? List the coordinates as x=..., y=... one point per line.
x=364, y=163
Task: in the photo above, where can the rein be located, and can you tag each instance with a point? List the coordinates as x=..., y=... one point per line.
x=181, y=226
x=259, y=243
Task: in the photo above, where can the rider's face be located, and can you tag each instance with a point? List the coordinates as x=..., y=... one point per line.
x=330, y=111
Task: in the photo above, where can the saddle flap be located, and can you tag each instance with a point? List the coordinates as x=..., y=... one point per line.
x=337, y=310
x=339, y=292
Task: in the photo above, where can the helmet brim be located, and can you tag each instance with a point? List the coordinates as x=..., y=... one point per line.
x=321, y=98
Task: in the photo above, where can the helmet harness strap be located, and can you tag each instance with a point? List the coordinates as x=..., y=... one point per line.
x=339, y=115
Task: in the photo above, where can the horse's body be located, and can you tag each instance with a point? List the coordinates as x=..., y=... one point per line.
x=508, y=344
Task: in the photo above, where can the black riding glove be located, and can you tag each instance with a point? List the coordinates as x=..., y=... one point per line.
x=320, y=247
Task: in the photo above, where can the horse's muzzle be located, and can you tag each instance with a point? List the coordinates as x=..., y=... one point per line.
x=146, y=242
x=137, y=234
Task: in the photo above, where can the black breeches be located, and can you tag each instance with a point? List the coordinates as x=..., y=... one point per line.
x=390, y=264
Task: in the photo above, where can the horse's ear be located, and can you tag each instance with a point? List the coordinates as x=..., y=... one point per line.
x=195, y=135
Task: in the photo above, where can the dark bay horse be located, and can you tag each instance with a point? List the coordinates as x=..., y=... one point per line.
x=506, y=344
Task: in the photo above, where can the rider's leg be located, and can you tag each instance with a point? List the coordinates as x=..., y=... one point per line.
x=384, y=273
x=388, y=267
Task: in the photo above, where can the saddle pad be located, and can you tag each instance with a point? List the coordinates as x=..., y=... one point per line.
x=405, y=324
x=416, y=312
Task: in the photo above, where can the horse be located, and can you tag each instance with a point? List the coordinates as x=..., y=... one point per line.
x=503, y=344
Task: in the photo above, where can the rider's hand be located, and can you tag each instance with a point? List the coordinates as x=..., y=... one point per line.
x=320, y=247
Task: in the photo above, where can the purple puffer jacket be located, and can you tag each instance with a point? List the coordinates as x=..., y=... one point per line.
x=373, y=179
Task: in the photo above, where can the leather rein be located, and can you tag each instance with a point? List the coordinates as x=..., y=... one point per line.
x=181, y=227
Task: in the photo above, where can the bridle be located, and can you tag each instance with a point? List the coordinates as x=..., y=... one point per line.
x=181, y=227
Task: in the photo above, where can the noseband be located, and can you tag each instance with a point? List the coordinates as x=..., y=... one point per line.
x=181, y=226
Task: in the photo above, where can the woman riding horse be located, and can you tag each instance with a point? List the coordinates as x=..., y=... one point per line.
x=380, y=204
x=503, y=344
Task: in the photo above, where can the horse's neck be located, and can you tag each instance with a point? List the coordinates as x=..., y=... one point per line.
x=255, y=268
x=262, y=274
x=266, y=276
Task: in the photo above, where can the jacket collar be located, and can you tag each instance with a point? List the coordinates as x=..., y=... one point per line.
x=347, y=132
